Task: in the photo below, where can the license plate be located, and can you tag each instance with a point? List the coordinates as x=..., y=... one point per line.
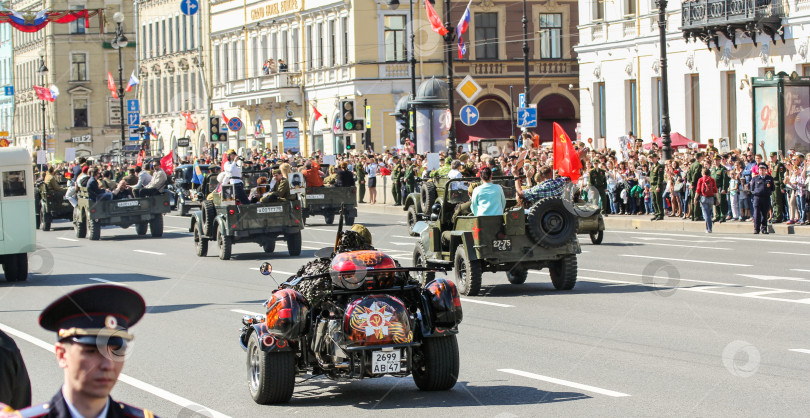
x=502, y=244
x=385, y=361
x=269, y=209
x=315, y=196
x=128, y=203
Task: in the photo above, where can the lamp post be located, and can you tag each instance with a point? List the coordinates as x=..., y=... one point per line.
x=525, y=55
x=666, y=141
x=393, y=5
x=118, y=43
x=43, y=72
x=448, y=48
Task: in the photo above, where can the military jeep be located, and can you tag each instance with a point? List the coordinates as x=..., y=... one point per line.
x=51, y=205
x=591, y=221
x=90, y=216
x=226, y=222
x=186, y=195
x=327, y=200
x=541, y=237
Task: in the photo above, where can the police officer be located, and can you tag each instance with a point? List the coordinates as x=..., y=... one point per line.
x=778, y=171
x=360, y=171
x=15, y=386
x=598, y=179
x=720, y=176
x=396, y=180
x=692, y=176
x=657, y=187
x=92, y=326
x=762, y=187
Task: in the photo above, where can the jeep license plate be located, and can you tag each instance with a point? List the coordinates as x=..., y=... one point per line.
x=128, y=203
x=315, y=196
x=269, y=209
x=502, y=244
x=385, y=361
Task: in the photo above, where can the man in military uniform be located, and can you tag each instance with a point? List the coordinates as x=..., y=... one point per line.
x=762, y=187
x=657, y=187
x=410, y=176
x=598, y=179
x=720, y=176
x=778, y=171
x=444, y=169
x=692, y=176
x=92, y=325
x=396, y=181
x=360, y=171
x=280, y=190
x=50, y=181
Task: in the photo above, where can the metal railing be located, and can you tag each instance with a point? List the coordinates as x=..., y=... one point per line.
x=722, y=12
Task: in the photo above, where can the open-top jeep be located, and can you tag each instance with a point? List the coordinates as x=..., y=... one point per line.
x=226, y=222
x=51, y=205
x=327, y=201
x=90, y=216
x=519, y=240
x=187, y=196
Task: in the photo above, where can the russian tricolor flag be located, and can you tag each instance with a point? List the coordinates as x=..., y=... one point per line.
x=462, y=27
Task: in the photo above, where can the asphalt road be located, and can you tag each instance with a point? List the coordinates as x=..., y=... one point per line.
x=659, y=324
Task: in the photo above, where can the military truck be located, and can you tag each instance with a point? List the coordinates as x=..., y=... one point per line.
x=224, y=221
x=51, y=205
x=519, y=240
x=143, y=212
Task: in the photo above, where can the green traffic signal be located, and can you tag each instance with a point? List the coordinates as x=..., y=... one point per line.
x=348, y=126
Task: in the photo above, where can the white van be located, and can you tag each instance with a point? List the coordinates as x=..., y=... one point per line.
x=17, y=214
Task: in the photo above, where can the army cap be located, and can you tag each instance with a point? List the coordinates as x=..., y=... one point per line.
x=363, y=232
x=773, y=154
x=463, y=157
x=276, y=171
x=94, y=314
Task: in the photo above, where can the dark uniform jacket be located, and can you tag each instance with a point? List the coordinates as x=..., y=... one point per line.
x=15, y=387
x=345, y=178
x=657, y=176
x=596, y=178
x=57, y=408
x=762, y=186
x=281, y=190
x=51, y=182
x=694, y=173
x=720, y=176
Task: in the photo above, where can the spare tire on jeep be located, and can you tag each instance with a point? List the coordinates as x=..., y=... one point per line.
x=428, y=194
x=550, y=223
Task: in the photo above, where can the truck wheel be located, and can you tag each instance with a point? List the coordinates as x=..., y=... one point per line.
x=269, y=246
x=428, y=194
x=468, y=273
x=156, y=226
x=79, y=223
x=349, y=220
x=271, y=376
x=37, y=221
x=94, y=229
x=182, y=208
x=596, y=237
x=329, y=219
x=225, y=245
x=45, y=219
x=10, y=268
x=209, y=213
x=564, y=272
x=140, y=228
x=517, y=275
x=22, y=267
x=411, y=220
x=200, y=243
x=294, y=244
x=437, y=364
x=420, y=260
x=550, y=224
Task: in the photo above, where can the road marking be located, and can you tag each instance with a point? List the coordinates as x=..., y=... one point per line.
x=403, y=243
x=136, y=383
x=96, y=279
x=800, y=350
x=803, y=270
x=767, y=292
x=321, y=229
x=686, y=246
x=245, y=312
x=784, y=253
x=178, y=217
x=761, y=277
x=403, y=236
x=67, y=239
x=685, y=260
x=723, y=237
x=580, y=386
x=148, y=252
x=274, y=271
x=686, y=240
x=500, y=305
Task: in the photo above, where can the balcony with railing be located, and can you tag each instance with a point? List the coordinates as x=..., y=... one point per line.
x=703, y=19
x=545, y=67
x=279, y=88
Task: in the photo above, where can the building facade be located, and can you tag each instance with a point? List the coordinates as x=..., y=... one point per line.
x=84, y=116
x=6, y=78
x=174, y=73
x=713, y=53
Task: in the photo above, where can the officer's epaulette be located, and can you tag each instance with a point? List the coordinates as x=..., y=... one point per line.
x=33, y=411
x=133, y=412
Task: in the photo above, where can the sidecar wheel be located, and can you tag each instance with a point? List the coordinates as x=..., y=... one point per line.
x=271, y=376
x=438, y=368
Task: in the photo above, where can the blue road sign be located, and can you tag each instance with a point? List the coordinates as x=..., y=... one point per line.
x=133, y=106
x=522, y=100
x=469, y=115
x=133, y=118
x=9, y=90
x=189, y=7
x=235, y=124
x=133, y=133
x=527, y=117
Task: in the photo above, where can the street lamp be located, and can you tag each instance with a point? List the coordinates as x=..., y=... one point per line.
x=448, y=48
x=43, y=72
x=525, y=57
x=393, y=5
x=118, y=43
x=666, y=141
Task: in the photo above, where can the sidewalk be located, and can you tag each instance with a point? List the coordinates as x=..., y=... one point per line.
x=642, y=223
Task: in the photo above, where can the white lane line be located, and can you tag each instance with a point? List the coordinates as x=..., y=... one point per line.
x=802, y=270
x=148, y=252
x=694, y=281
x=274, y=271
x=403, y=243
x=685, y=260
x=800, y=350
x=67, y=239
x=320, y=229
x=500, y=305
x=686, y=246
x=561, y=382
x=403, y=236
x=784, y=253
x=724, y=237
x=766, y=292
x=96, y=279
x=718, y=241
x=769, y=278
x=245, y=312
x=136, y=383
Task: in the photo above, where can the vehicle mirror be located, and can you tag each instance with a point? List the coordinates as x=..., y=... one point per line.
x=266, y=268
x=436, y=208
x=434, y=217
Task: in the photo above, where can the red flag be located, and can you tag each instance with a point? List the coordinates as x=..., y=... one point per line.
x=225, y=118
x=316, y=113
x=435, y=20
x=111, y=85
x=566, y=158
x=190, y=125
x=43, y=93
x=167, y=163
x=139, y=163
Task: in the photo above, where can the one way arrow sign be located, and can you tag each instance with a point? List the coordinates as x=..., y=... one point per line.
x=189, y=7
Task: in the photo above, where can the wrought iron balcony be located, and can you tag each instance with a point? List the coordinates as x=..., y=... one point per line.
x=705, y=19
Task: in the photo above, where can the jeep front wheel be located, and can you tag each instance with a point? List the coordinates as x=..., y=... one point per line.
x=294, y=244
x=420, y=260
x=225, y=244
x=468, y=273
x=564, y=272
x=79, y=223
x=156, y=226
x=411, y=220
x=200, y=243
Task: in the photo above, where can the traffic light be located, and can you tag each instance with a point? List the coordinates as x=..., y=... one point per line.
x=403, y=135
x=213, y=128
x=347, y=111
x=349, y=145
